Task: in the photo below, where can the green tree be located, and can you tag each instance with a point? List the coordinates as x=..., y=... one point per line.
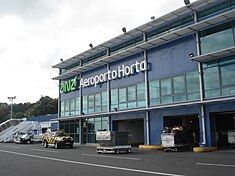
x=44, y=106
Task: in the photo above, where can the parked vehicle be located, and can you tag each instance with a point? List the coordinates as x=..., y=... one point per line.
x=113, y=142
x=27, y=137
x=57, y=139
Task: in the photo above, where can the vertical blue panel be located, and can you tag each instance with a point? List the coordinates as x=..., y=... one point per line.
x=172, y=58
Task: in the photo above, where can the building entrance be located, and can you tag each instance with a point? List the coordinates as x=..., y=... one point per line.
x=189, y=123
x=91, y=125
x=223, y=123
x=135, y=127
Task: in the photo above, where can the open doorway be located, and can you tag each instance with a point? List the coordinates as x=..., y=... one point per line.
x=135, y=127
x=223, y=124
x=189, y=123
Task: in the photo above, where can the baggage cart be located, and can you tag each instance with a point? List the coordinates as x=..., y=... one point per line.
x=113, y=142
x=174, y=139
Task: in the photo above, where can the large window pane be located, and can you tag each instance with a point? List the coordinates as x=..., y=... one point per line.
x=211, y=78
x=84, y=104
x=166, y=87
x=131, y=93
x=98, y=99
x=192, y=80
x=122, y=95
x=141, y=91
x=217, y=38
x=179, y=84
x=62, y=107
x=105, y=123
x=228, y=75
x=91, y=103
x=72, y=106
x=77, y=106
x=104, y=101
x=141, y=95
x=114, y=97
x=154, y=89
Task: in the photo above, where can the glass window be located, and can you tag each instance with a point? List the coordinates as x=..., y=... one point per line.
x=98, y=99
x=175, y=25
x=114, y=96
x=217, y=38
x=228, y=75
x=98, y=126
x=154, y=89
x=104, y=101
x=122, y=95
x=166, y=99
x=91, y=103
x=211, y=82
x=165, y=86
x=213, y=10
x=72, y=106
x=77, y=106
x=141, y=95
x=67, y=105
x=162, y=30
x=105, y=123
x=131, y=93
x=211, y=78
x=84, y=104
x=179, y=84
x=192, y=80
x=62, y=109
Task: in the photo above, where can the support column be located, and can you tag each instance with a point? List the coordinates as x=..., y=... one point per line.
x=146, y=100
x=201, y=84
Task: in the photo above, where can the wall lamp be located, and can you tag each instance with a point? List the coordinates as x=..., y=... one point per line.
x=187, y=2
x=124, y=30
x=191, y=55
x=90, y=45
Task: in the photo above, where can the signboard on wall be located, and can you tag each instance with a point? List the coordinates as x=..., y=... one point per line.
x=121, y=71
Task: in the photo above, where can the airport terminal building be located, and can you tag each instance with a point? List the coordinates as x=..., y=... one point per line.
x=175, y=70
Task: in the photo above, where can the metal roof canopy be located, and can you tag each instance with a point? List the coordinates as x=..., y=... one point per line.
x=151, y=43
x=145, y=45
x=215, y=55
x=137, y=31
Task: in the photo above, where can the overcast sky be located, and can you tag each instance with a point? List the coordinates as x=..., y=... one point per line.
x=35, y=34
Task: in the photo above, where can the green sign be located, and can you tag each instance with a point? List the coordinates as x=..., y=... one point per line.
x=69, y=85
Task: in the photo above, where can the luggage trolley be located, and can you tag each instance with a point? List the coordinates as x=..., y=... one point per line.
x=113, y=142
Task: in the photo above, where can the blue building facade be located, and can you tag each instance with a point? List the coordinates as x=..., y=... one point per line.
x=47, y=122
x=176, y=70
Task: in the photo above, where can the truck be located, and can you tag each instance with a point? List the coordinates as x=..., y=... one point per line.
x=57, y=139
x=113, y=142
x=175, y=139
x=27, y=137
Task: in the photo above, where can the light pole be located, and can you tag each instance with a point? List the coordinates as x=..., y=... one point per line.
x=11, y=100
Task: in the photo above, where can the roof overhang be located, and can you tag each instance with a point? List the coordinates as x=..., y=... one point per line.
x=215, y=55
x=171, y=35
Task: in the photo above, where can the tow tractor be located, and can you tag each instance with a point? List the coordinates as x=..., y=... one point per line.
x=113, y=142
